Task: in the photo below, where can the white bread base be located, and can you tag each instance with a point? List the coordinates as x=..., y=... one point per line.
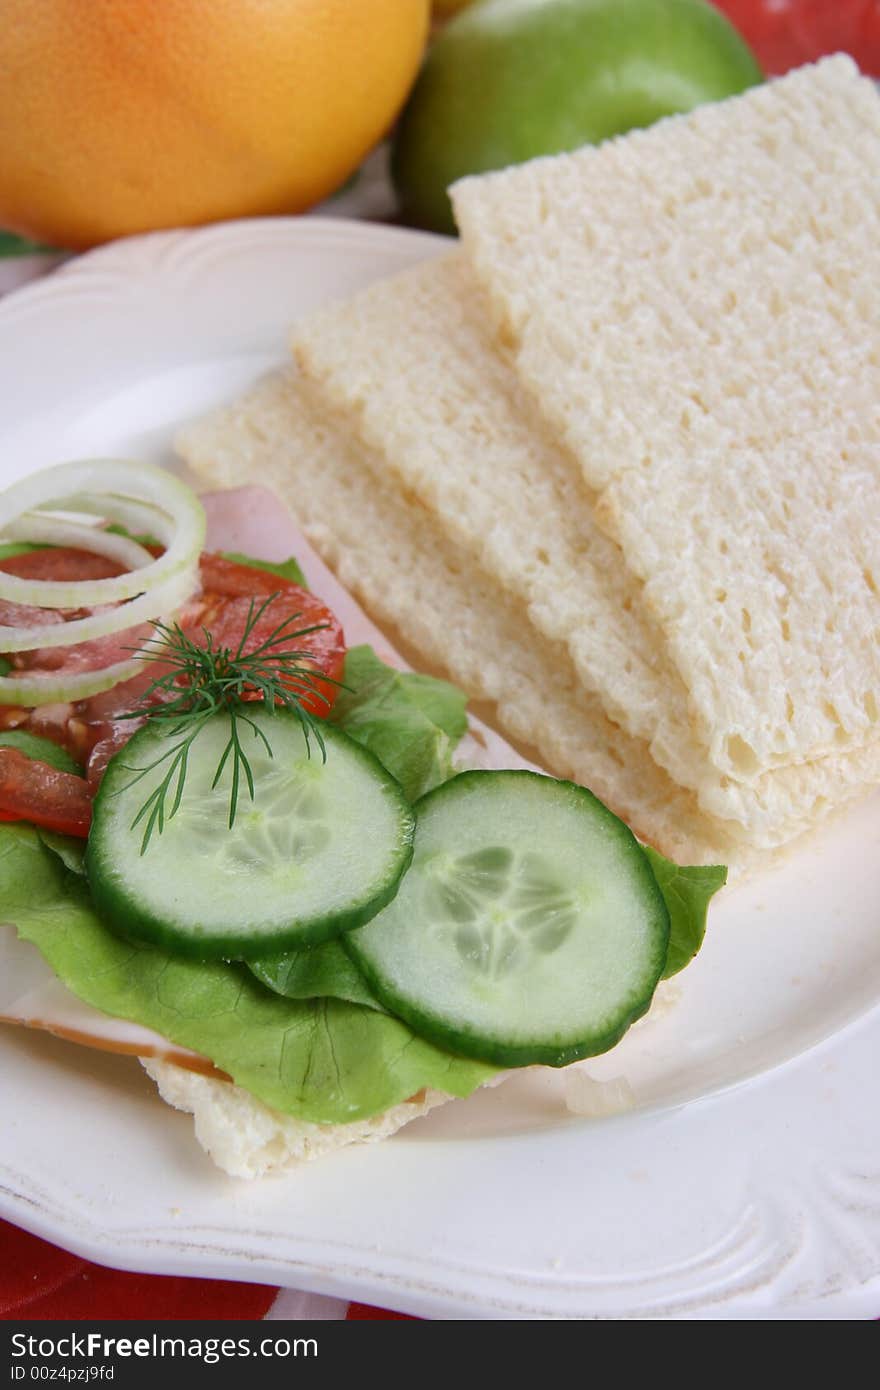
x=693, y=310
x=247, y=1139
x=411, y=575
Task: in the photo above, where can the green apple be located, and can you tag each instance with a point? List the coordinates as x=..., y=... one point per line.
x=510, y=79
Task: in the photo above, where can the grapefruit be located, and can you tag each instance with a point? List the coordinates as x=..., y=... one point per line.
x=118, y=116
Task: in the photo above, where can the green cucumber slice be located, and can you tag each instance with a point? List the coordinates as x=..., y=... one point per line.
x=319, y=850
x=529, y=928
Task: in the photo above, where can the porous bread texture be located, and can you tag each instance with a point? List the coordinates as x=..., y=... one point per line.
x=247, y=1139
x=693, y=309
x=408, y=365
x=388, y=550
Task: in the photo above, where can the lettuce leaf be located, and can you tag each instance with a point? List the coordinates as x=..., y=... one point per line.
x=42, y=749
x=288, y=569
x=324, y=1060
x=411, y=722
x=315, y=972
x=142, y=537
x=70, y=849
x=687, y=891
x=11, y=548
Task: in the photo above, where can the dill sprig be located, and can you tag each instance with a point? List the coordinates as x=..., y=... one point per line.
x=203, y=680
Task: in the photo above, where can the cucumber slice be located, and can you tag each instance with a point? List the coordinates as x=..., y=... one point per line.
x=319, y=850
x=529, y=928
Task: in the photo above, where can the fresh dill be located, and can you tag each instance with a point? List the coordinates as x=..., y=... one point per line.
x=203, y=680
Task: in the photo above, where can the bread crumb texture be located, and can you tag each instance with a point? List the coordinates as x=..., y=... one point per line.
x=613, y=465
x=412, y=576
x=693, y=309
x=408, y=366
x=247, y=1139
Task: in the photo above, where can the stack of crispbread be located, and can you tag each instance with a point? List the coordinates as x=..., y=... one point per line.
x=614, y=462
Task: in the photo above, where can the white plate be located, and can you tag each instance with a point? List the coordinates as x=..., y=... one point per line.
x=746, y=1180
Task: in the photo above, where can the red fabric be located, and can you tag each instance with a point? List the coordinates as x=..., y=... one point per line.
x=357, y=1311
x=37, y=1280
x=787, y=33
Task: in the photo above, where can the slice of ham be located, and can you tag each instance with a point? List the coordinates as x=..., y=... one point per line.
x=248, y=521
x=31, y=994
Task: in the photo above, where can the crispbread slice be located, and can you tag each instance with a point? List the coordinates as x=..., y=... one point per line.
x=247, y=1139
x=408, y=365
x=388, y=551
x=694, y=309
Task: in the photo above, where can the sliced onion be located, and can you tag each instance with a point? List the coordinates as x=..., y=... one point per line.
x=125, y=482
x=49, y=530
x=162, y=598
x=133, y=494
x=141, y=518
x=30, y=690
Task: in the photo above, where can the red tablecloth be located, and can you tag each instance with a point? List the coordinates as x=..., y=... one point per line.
x=37, y=1280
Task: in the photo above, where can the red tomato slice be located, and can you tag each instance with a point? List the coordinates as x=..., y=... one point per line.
x=36, y=792
x=63, y=565
x=301, y=622
x=91, y=729
x=227, y=577
x=60, y=564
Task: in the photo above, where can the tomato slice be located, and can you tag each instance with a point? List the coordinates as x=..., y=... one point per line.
x=34, y=791
x=61, y=564
x=234, y=580
x=93, y=731
x=304, y=624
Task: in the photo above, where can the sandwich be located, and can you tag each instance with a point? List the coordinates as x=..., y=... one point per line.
x=259, y=1019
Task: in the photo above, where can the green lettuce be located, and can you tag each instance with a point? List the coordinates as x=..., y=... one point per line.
x=315, y=972
x=69, y=848
x=11, y=548
x=324, y=1060
x=288, y=569
x=687, y=891
x=43, y=749
x=411, y=722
